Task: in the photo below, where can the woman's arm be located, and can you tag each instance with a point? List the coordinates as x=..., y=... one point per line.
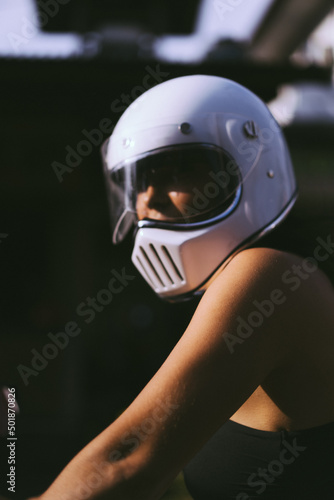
x=206, y=378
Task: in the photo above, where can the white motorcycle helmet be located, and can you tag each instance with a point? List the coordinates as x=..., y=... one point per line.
x=200, y=169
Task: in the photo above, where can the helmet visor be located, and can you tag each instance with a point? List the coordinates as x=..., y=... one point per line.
x=181, y=184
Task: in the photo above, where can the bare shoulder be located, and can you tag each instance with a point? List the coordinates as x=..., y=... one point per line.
x=269, y=269
x=252, y=274
x=279, y=293
x=262, y=262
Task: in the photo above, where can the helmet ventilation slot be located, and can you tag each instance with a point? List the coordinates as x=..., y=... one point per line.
x=176, y=269
x=159, y=266
x=151, y=267
x=161, y=263
x=144, y=271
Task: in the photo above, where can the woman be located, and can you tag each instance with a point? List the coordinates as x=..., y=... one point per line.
x=245, y=401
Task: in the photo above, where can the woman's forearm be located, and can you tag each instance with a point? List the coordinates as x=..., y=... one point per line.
x=106, y=469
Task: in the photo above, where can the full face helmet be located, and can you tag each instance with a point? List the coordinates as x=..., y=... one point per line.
x=199, y=168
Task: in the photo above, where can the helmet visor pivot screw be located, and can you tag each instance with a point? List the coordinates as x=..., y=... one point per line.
x=250, y=129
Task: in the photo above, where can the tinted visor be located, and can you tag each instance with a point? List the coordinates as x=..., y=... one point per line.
x=179, y=185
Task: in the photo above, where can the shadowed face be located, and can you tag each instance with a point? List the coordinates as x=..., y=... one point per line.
x=169, y=192
x=179, y=184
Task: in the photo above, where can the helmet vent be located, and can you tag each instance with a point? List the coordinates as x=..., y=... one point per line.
x=176, y=269
x=144, y=272
x=158, y=266
x=151, y=267
x=161, y=263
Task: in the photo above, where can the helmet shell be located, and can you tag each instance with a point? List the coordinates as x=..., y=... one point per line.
x=201, y=109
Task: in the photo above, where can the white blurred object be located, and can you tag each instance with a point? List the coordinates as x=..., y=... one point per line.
x=307, y=103
x=12, y=13
x=319, y=47
x=21, y=34
x=216, y=20
x=230, y=19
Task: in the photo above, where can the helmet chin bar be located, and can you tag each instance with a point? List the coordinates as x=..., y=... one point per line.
x=180, y=264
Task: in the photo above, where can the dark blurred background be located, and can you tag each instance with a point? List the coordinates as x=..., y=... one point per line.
x=67, y=67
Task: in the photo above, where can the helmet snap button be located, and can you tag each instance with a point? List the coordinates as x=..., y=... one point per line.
x=185, y=128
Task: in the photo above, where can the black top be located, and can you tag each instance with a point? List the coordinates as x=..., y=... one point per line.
x=243, y=463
